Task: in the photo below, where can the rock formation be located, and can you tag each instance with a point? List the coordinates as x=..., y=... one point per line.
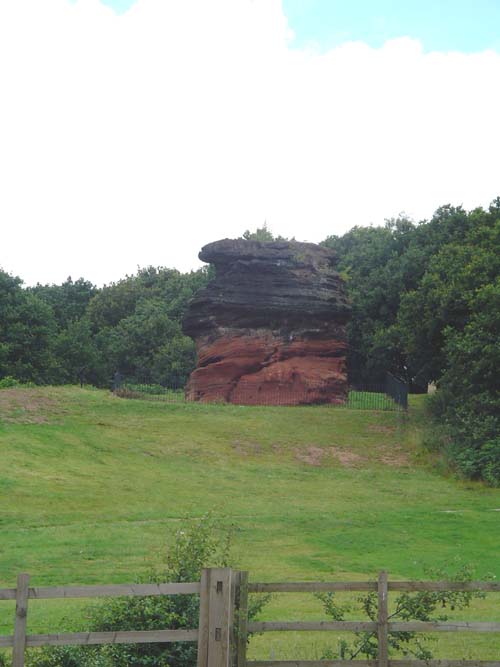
x=270, y=327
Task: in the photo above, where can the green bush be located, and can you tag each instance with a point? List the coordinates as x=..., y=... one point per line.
x=425, y=606
x=198, y=544
x=9, y=381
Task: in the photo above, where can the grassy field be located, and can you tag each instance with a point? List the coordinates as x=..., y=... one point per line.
x=91, y=487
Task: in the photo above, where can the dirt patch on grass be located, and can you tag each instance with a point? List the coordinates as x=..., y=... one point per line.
x=313, y=456
x=28, y=406
x=395, y=457
x=346, y=457
x=319, y=456
x=381, y=428
x=245, y=448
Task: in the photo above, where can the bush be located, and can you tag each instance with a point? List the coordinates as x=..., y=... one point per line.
x=422, y=606
x=201, y=543
x=9, y=381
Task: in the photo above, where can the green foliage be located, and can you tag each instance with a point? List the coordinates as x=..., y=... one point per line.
x=204, y=542
x=137, y=327
x=148, y=346
x=447, y=293
x=8, y=381
x=468, y=402
x=69, y=300
x=376, y=262
x=425, y=306
x=422, y=606
x=262, y=234
x=76, y=352
x=27, y=329
x=74, y=332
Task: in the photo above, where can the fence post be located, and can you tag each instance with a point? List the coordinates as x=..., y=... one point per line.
x=382, y=629
x=202, y=660
x=22, y=589
x=241, y=620
x=215, y=632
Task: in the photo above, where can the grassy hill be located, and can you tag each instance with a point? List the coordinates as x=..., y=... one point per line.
x=91, y=486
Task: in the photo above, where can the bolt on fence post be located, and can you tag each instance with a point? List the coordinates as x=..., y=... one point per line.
x=382, y=621
x=22, y=590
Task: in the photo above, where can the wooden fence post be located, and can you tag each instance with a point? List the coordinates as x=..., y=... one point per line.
x=202, y=660
x=23, y=581
x=383, y=613
x=241, y=629
x=216, y=618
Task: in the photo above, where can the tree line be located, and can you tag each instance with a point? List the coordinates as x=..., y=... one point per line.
x=64, y=334
x=425, y=305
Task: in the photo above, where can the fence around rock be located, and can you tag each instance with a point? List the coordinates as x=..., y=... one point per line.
x=224, y=627
x=390, y=393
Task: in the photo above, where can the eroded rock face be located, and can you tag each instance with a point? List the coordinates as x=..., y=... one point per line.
x=270, y=327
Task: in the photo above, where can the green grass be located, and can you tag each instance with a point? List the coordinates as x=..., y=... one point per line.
x=92, y=485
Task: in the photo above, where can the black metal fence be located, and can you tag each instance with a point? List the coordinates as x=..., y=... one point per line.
x=397, y=389
x=390, y=393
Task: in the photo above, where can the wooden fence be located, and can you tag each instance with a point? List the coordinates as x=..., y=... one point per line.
x=223, y=627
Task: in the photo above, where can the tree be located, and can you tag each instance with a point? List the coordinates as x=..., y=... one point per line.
x=27, y=330
x=69, y=300
x=467, y=405
x=76, y=353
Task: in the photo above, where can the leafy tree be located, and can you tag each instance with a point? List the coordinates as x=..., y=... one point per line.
x=69, y=300
x=375, y=264
x=76, y=353
x=446, y=294
x=27, y=328
x=467, y=405
x=147, y=346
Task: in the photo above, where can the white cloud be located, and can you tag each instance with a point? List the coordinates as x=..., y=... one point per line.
x=134, y=139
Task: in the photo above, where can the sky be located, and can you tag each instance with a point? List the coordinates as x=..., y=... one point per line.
x=134, y=132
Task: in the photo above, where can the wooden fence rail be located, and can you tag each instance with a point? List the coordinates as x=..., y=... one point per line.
x=223, y=626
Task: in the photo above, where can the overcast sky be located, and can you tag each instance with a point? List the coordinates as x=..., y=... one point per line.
x=133, y=133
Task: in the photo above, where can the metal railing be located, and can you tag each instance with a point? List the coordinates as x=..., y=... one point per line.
x=390, y=394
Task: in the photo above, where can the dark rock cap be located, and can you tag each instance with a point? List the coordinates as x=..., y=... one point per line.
x=279, y=285
x=229, y=250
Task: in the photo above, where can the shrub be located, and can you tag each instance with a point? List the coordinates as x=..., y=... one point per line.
x=198, y=544
x=8, y=381
x=421, y=606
